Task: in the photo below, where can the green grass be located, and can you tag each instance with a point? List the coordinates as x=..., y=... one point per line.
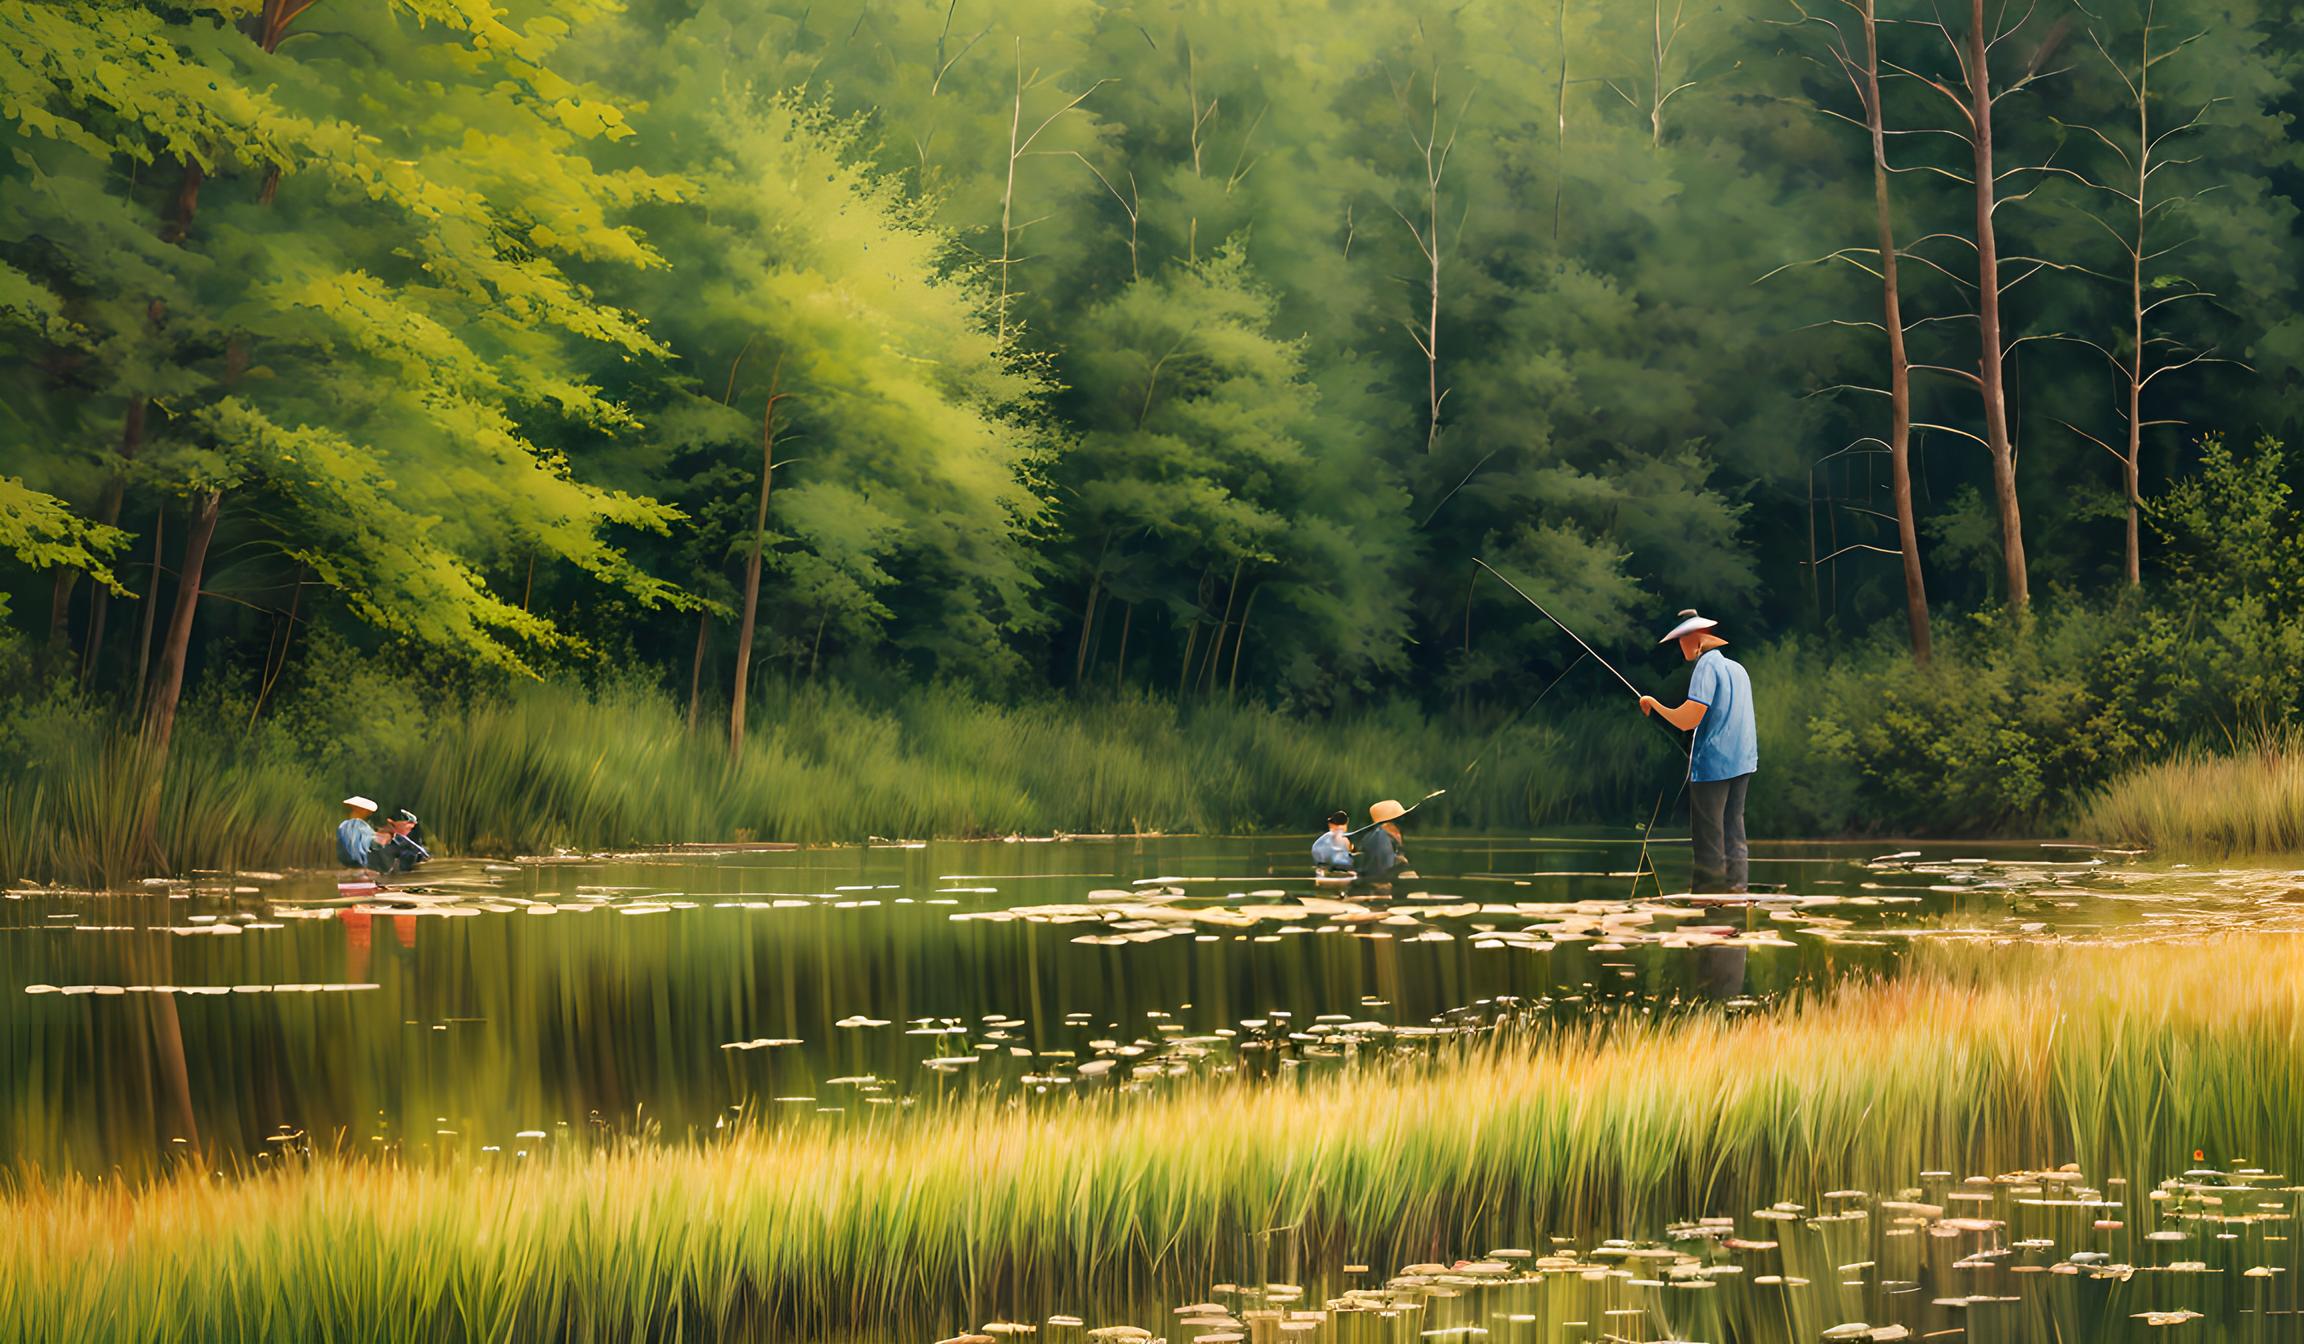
x=558, y=765
x=2249, y=800
x=2125, y=1060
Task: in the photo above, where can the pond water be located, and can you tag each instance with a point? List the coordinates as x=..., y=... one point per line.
x=506, y=1008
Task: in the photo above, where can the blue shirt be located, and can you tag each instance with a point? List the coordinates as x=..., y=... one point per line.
x=1380, y=855
x=1727, y=743
x=1332, y=850
x=354, y=841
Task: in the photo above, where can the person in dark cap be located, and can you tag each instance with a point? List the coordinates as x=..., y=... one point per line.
x=401, y=851
x=1332, y=852
x=1724, y=756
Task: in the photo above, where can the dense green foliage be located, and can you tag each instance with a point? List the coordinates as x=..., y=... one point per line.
x=1154, y=347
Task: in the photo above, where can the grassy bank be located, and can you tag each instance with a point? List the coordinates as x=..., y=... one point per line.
x=2126, y=1060
x=540, y=766
x=2249, y=800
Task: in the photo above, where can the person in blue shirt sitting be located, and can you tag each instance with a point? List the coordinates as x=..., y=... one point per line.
x=356, y=845
x=1724, y=757
x=1332, y=852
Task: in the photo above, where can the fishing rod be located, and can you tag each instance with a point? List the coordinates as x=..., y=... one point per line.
x=1669, y=730
x=1404, y=812
x=1636, y=691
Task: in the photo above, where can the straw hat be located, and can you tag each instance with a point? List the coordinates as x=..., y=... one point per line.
x=1387, y=810
x=1690, y=623
x=366, y=804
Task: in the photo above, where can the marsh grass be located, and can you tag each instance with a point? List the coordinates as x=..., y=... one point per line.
x=2247, y=800
x=2123, y=1059
x=611, y=765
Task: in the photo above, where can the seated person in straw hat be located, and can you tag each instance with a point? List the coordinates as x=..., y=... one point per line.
x=1381, y=859
x=356, y=844
x=1722, y=759
x=1332, y=852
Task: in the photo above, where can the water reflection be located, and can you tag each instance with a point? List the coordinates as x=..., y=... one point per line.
x=671, y=992
x=2032, y=1255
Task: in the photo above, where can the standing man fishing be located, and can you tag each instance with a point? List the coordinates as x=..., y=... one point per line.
x=1725, y=755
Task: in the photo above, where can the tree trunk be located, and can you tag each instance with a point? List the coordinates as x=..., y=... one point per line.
x=1087, y=624
x=696, y=669
x=741, y=691
x=151, y=603
x=1216, y=647
x=60, y=619
x=1120, y=668
x=1899, y=361
x=272, y=670
x=1232, y=683
x=108, y=513
x=2132, y=461
x=168, y=686
x=1991, y=379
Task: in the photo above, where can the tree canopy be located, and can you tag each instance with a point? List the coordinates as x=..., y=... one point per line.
x=1164, y=343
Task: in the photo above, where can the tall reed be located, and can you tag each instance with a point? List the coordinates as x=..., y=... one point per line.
x=2123, y=1059
x=561, y=765
x=2249, y=800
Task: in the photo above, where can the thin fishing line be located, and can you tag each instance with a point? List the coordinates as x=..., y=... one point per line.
x=1562, y=624
x=1498, y=735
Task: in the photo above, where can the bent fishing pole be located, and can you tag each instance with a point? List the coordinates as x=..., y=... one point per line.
x=1646, y=864
x=1404, y=812
x=1636, y=691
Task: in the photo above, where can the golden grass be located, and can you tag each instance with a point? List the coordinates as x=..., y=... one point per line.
x=2124, y=1059
x=2250, y=801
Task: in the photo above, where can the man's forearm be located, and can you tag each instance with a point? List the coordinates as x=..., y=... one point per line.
x=1684, y=716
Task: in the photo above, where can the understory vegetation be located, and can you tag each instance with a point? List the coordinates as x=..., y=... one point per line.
x=2136, y=1062
x=2016, y=725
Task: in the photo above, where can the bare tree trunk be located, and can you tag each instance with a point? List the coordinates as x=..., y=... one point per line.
x=1434, y=152
x=168, y=687
x=2132, y=485
x=1990, y=352
x=1899, y=360
x=2131, y=460
x=741, y=691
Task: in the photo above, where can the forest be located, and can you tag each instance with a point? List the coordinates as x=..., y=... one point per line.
x=617, y=423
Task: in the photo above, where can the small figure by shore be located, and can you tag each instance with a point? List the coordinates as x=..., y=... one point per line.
x=388, y=846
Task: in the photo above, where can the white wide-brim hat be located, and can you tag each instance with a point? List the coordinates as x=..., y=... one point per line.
x=357, y=801
x=1690, y=623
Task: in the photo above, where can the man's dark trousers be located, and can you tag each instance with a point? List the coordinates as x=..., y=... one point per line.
x=1716, y=830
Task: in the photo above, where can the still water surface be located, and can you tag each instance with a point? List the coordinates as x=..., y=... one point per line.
x=508, y=1008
